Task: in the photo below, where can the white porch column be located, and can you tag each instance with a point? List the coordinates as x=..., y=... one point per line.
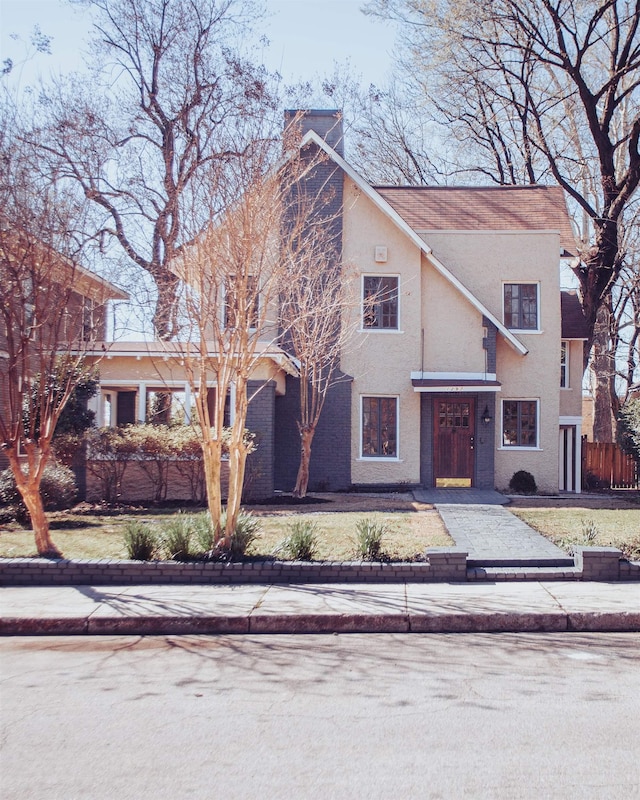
x=578, y=459
x=142, y=402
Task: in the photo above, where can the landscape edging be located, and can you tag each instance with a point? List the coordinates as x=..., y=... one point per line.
x=442, y=564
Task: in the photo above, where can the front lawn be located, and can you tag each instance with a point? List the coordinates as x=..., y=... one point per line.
x=412, y=527
x=581, y=524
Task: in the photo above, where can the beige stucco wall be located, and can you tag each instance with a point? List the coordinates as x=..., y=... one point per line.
x=382, y=362
x=484, y=262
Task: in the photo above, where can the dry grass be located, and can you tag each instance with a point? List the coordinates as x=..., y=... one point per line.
x=412, y=528
x=617, y=527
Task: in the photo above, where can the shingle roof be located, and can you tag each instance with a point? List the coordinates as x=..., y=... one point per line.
x=472, y=208
x=574, y=325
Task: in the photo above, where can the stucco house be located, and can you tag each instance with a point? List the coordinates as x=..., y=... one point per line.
x=468, y=367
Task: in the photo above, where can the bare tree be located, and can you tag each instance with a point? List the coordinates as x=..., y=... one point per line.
x=168, y=91
x=50, y=311
x=540, y=91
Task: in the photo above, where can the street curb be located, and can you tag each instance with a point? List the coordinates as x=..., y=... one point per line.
x=524, y=622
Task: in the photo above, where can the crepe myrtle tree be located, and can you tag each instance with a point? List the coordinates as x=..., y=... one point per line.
x=237, y=277
x=49, y=310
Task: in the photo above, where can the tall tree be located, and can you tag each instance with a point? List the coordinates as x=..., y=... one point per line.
x=168, y=92
x=541, y=90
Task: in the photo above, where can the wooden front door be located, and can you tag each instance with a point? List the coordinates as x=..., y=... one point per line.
x=454, y=441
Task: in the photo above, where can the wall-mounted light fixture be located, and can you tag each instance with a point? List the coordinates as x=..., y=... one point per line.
x=486, y=416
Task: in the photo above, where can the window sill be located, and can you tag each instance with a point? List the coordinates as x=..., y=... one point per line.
x=380, y=459
x=520, y=448
x=523, y=331
x=379, y=330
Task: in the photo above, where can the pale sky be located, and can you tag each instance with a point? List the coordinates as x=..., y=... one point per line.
x=307, y=37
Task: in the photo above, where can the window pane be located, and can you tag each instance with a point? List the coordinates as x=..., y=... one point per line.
x=379, y=419
x=380, y=302
x=519, y=423
x=521, y=305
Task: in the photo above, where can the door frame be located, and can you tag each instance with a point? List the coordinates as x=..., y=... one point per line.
x=467, y=480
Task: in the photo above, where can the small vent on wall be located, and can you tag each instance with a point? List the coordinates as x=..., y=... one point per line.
x=381, y=254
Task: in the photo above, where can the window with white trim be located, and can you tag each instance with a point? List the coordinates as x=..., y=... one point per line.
x=519, y=423
x=564, y=365
x=379, y=427
x=380, y=302
x=521, y=306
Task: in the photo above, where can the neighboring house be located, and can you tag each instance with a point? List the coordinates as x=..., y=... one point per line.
x=86, y=299
x=466, y=368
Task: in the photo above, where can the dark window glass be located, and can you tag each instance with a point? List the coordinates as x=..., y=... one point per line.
x=521, y=306
x=519, y=423
x=380, y=302
x=379, y=426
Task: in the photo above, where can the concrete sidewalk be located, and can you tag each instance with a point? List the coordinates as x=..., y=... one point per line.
x=361, y=608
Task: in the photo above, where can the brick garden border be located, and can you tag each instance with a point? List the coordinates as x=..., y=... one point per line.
x=443, y=564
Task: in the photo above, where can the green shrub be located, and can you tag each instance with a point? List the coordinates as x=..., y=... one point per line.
x=203, y=531
x=246, y=532
x=140, y=540
x=57, y=488
x=176, y=535
x=523, y=482
x=301, y=543
x=369, y=536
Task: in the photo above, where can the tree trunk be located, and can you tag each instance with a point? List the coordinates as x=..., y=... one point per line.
x=302, y=481
x=211, y=460
x=237, y=466
x=603, y=366
x=39, y=522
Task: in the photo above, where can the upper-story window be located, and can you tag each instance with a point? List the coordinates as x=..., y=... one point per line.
x=521, y=306
x=564, y=365
x=88, y=319
x=241, y=302
x=380, y=302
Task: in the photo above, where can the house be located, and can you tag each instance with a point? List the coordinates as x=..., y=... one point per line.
x=466, y=364
x=51, y=305
x=470, y=367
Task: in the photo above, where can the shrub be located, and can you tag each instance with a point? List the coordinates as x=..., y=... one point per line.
x=369, y=538
x=301, y=544
x=523, y=482
x=176, y=536
x=57, y=488
x=589, y=532
x=246, y=532
x=140, y=540
x=203, y=531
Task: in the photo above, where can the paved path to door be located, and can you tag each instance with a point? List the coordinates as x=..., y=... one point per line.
x=493, y=536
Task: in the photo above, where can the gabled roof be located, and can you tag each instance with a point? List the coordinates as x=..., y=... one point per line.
x=574, y=325
x=387, y=209
x=474, y=208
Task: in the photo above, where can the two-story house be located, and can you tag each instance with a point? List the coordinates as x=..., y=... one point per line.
x=466, y=361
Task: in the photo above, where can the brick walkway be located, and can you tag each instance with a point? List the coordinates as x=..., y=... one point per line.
x=493, y=536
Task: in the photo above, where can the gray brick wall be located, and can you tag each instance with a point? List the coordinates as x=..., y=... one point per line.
x=330, y=468
x=261, y=421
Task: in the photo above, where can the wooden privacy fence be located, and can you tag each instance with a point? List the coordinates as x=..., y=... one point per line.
x=605, y=464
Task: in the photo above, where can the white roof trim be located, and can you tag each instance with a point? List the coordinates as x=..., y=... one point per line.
x=392, y=214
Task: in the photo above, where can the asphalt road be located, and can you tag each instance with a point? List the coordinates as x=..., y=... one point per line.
x=355, y=716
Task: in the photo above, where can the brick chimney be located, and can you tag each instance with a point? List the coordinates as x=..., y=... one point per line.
x=327, y=123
